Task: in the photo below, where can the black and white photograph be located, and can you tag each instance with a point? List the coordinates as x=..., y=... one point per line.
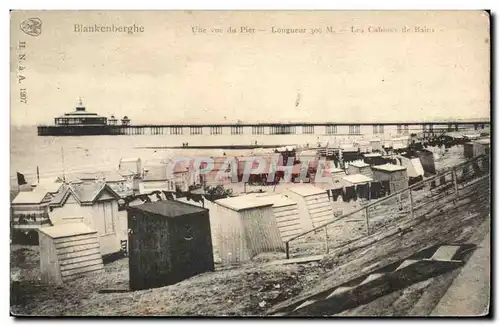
x=250, y=163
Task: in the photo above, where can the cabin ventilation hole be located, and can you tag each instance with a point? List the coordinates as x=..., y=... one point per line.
x=189, y=234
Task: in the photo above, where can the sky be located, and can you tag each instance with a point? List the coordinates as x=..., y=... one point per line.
x=168, y=74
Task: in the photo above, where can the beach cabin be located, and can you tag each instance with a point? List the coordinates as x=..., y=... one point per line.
x=169, y=241
x=286, y=212
x=156, y=178
x=244, y=227
x=313, y=203
x=477, y=148
x=179, y=173
x=122, y=185
x=96, y=205
x=258, y=168
x=360, y=183
x=395, y=175
x=48, y=185
x=350, y=154
x=223, y=170
x=359, y=167
x=426, y=160
x=337, y=173
x=68, y=251
x=132, y=164
x=414, y=169
x=374, y=159
x=30, y=211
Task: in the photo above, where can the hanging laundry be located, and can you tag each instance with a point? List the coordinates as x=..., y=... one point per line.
x=157, y=193
x=198, y=198
x=414, y=180
x=375, y=190
x=350, y=193
x=386, y=186
x=168, y=195
x=344, y=195
x=360, y=191
x=365, y=191
x=336, y=193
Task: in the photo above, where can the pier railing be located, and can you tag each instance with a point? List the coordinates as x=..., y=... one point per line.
x=408, y=203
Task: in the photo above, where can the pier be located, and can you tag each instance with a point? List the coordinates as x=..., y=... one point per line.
x=301, y=128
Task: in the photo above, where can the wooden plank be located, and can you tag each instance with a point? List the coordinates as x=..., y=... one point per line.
x=279, y=210
x=291, y=227
x=74, y=254
x=80, y=258
x=83, y=272
x=285, y=214
x=77, y=243
x=85, y=269
x=77, y=248
x=81, y=264
x=314, y=204
x=76, y=238
x=289, y=223
x=288, y=233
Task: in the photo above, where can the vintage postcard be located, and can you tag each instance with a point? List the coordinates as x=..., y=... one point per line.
x=250, y=163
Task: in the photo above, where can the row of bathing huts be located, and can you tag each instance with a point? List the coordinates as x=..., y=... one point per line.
x=161, y=219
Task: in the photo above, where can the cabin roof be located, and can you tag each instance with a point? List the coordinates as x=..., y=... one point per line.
x=30, y=197
x=113, y=176
x=359, y=164
x=244, y=202
x=67, y=230
x=357, y=178
x=48, y=186
x=88, y=193
x=169, y=208
x=280, y=200
x=60, y=195
x=307, y=190
x=389, y=167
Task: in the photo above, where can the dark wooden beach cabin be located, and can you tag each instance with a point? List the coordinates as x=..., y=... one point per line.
x=169, y=241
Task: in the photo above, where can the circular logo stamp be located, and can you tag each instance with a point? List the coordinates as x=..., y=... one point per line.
x=32, y=26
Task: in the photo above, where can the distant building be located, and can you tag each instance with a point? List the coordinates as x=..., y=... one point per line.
x=112, y=121
x=130, y=164
x=155, y=178
x=80, y=117
x=125, y=121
